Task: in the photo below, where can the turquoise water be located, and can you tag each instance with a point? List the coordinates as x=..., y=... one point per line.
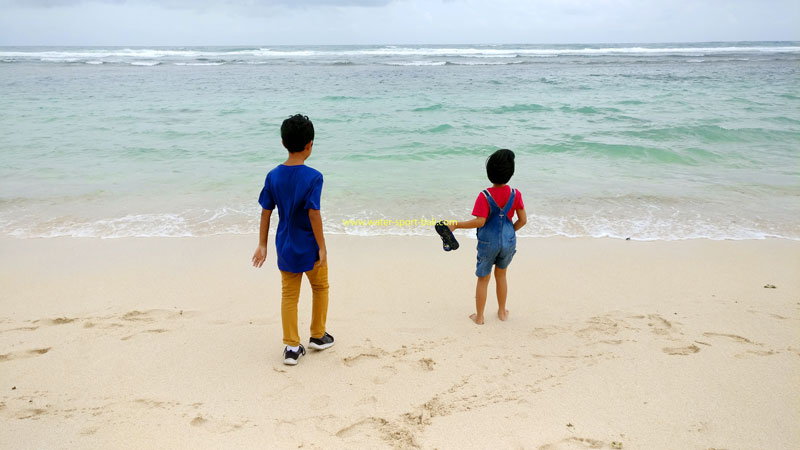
x=669, y=141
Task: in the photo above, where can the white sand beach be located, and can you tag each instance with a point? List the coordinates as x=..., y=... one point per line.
x=176, y=343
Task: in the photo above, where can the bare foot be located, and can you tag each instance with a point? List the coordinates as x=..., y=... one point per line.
x=503, y=315
x=475, y=319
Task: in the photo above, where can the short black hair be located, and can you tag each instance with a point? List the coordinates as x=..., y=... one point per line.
x=296, y=132
x=500, y=166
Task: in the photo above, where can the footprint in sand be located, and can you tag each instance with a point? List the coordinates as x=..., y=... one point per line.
x=152, y=315
x=365, y=427
x=126, y=320
x=32, y=328
x=758, y=351
x=386, y=373
x=765, y=313
x=47, y=322
x=427, y=364
x=375, y=432
x=152, y=404
x=138, y=316
x=148, y=317
x=59, y=321
x=88, y=431
x=37, y=323
x=600, y=325
x=320, y=402
x=214, y=425
x=31, y=414
x=577, y=443
x=750, y=353
x=681, y=350
x=735, y=337
x=401, y=432
x=546, y=332
x=153, y=331
x=659, y=325
x=24, y=354
x=350, y=361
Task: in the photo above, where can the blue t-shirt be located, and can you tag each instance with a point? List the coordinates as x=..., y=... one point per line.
x=295, y=189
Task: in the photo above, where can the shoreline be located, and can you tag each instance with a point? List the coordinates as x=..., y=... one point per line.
x=175, y=343
x=469, y=235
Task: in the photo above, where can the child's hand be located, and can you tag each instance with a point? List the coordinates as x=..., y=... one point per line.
x=323, y=258
x=259, y=256
x=452, y=225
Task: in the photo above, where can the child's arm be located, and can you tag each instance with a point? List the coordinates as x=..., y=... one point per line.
x=477, y=222
x=316, y=226
x=522, y=219
x=261, y=252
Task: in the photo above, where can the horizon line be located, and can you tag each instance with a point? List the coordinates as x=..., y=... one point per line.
x=402, y=44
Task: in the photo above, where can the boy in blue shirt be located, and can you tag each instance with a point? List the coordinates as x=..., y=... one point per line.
x=497, y=231
x=296, y=190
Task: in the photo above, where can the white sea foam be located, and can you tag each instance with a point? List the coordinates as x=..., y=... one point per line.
x=145, y=63
x=388, y=51
x=416, y=63
x=266, y=52
x=244, y=221
x=136, y=225
x=499, y=55
x=514, y=52
x=89, y=53
x=484, y=63
x=62, y=60
x=687, y=51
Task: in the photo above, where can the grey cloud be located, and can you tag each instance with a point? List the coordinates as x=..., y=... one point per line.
x=193, y=4
x=53, y=3
x=200, y=4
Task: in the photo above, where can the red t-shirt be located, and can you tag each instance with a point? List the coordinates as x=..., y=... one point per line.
x=500, y=196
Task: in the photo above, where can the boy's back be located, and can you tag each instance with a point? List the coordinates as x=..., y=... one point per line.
x=294, y=190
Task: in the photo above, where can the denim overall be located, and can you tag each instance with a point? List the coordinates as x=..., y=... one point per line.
x=497, y=240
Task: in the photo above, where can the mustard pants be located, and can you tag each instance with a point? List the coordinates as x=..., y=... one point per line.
x=290, y=288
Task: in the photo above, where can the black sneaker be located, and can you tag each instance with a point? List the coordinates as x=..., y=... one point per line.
x=290, y=357
x=326, y=341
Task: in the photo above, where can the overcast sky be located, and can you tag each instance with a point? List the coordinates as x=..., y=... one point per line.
x=273, y=22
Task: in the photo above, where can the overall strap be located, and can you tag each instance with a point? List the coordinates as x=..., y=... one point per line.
x=489, y=199
x=510, y=202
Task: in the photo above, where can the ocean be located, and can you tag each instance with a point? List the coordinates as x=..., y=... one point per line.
x=647, y=141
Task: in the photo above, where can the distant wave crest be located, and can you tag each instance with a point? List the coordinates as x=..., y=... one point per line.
x=391, y=55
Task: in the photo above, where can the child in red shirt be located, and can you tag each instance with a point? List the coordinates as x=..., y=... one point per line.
x=497, y=240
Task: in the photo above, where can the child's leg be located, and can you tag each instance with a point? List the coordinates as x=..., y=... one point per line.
x=502, y=292
x=290, y=293
x=480, y=298
x=318, y=278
